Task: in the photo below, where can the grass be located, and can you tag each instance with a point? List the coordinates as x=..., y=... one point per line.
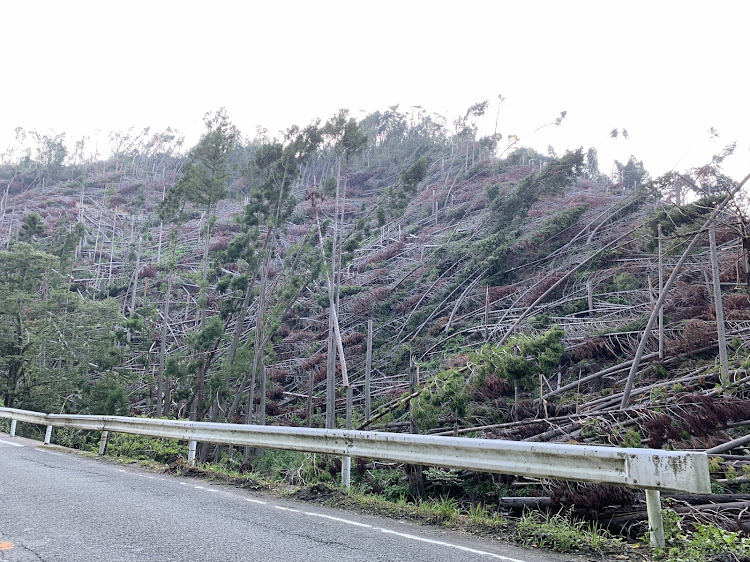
x=562, y=534
x=698, y=542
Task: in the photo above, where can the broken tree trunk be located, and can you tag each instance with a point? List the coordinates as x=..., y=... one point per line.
x=667, y=287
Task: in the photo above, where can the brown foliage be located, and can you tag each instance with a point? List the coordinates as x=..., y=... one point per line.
x=147, y=272
x=543, y=286
x=276, y=375
x=590, y=496
x=493, y=387
x=219, y=245
x=737, y=307
x=226, y=228
x=456, y=361
x=698, y=416
x=319, y=374
x=660, y=430
x=299, y=335
x=696, y=333
x=363, y=302
x=383, y=255
x=409, y=303
x=502, y=291
x=313, y=360
x=276, y=392
x=689, y=300
x=595, y=348
x=353, y=339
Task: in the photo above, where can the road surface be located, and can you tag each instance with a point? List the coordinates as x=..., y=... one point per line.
x=57, y=505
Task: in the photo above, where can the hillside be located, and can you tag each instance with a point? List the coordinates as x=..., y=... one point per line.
x=508, y=291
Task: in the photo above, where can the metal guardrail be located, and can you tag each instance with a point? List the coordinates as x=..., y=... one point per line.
x=649, y=469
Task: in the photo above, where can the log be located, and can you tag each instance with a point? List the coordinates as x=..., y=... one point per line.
x=703, y=498
x=524, y=503
x=728, y=446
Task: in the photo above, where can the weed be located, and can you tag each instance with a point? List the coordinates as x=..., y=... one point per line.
x=632, y=438
x=560, y=533
x=698, y=544
x=478, y=515
x=145, y=448
x=714, y=464
x=446, y=509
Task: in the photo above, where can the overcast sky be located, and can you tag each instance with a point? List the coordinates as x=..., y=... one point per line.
x=665, y=71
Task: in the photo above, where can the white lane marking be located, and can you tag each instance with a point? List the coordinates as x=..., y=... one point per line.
x=121, y=470
x=49, y=452
x=355, y=523
x=456, y=546
x=347, y=521
x=11, y=443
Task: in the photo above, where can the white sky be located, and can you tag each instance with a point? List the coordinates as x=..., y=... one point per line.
x=664, y=70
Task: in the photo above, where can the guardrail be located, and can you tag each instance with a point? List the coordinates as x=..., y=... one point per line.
x=649, y=469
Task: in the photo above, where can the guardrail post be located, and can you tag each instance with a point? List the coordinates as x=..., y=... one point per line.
x=346, y=473
x=13, y=427
x=103, y=443
x=655, y=520
x=48, y=435
x=191, y=452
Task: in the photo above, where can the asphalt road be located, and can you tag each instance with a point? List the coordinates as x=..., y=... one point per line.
x=57, y=505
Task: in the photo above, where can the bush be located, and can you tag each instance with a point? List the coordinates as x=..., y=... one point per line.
x=699, y=543
x=146, y=448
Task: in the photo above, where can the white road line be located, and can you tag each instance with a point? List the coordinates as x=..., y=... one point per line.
x=456, y=546
x=11, y=443
x=347, y=521
x=49, y=452
x=121, y=470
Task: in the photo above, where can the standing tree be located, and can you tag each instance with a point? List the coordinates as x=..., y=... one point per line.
x=272, y=173
x=631, y=174
x=347, y=139
x=203, y=185
x=410, y=179
x=32, y=228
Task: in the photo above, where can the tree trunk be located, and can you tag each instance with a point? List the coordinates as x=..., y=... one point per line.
x=414, y=478
x=668, y=286
x=112, y=247
x=160, y=409
x=661, y=288
x=330, y=373
x=368, y=371
x=720, y=328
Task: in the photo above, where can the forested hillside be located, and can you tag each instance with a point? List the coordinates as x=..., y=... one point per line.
x=394, y=272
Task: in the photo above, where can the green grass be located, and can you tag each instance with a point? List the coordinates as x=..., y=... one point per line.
x=698, y=542
x=562, y=534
